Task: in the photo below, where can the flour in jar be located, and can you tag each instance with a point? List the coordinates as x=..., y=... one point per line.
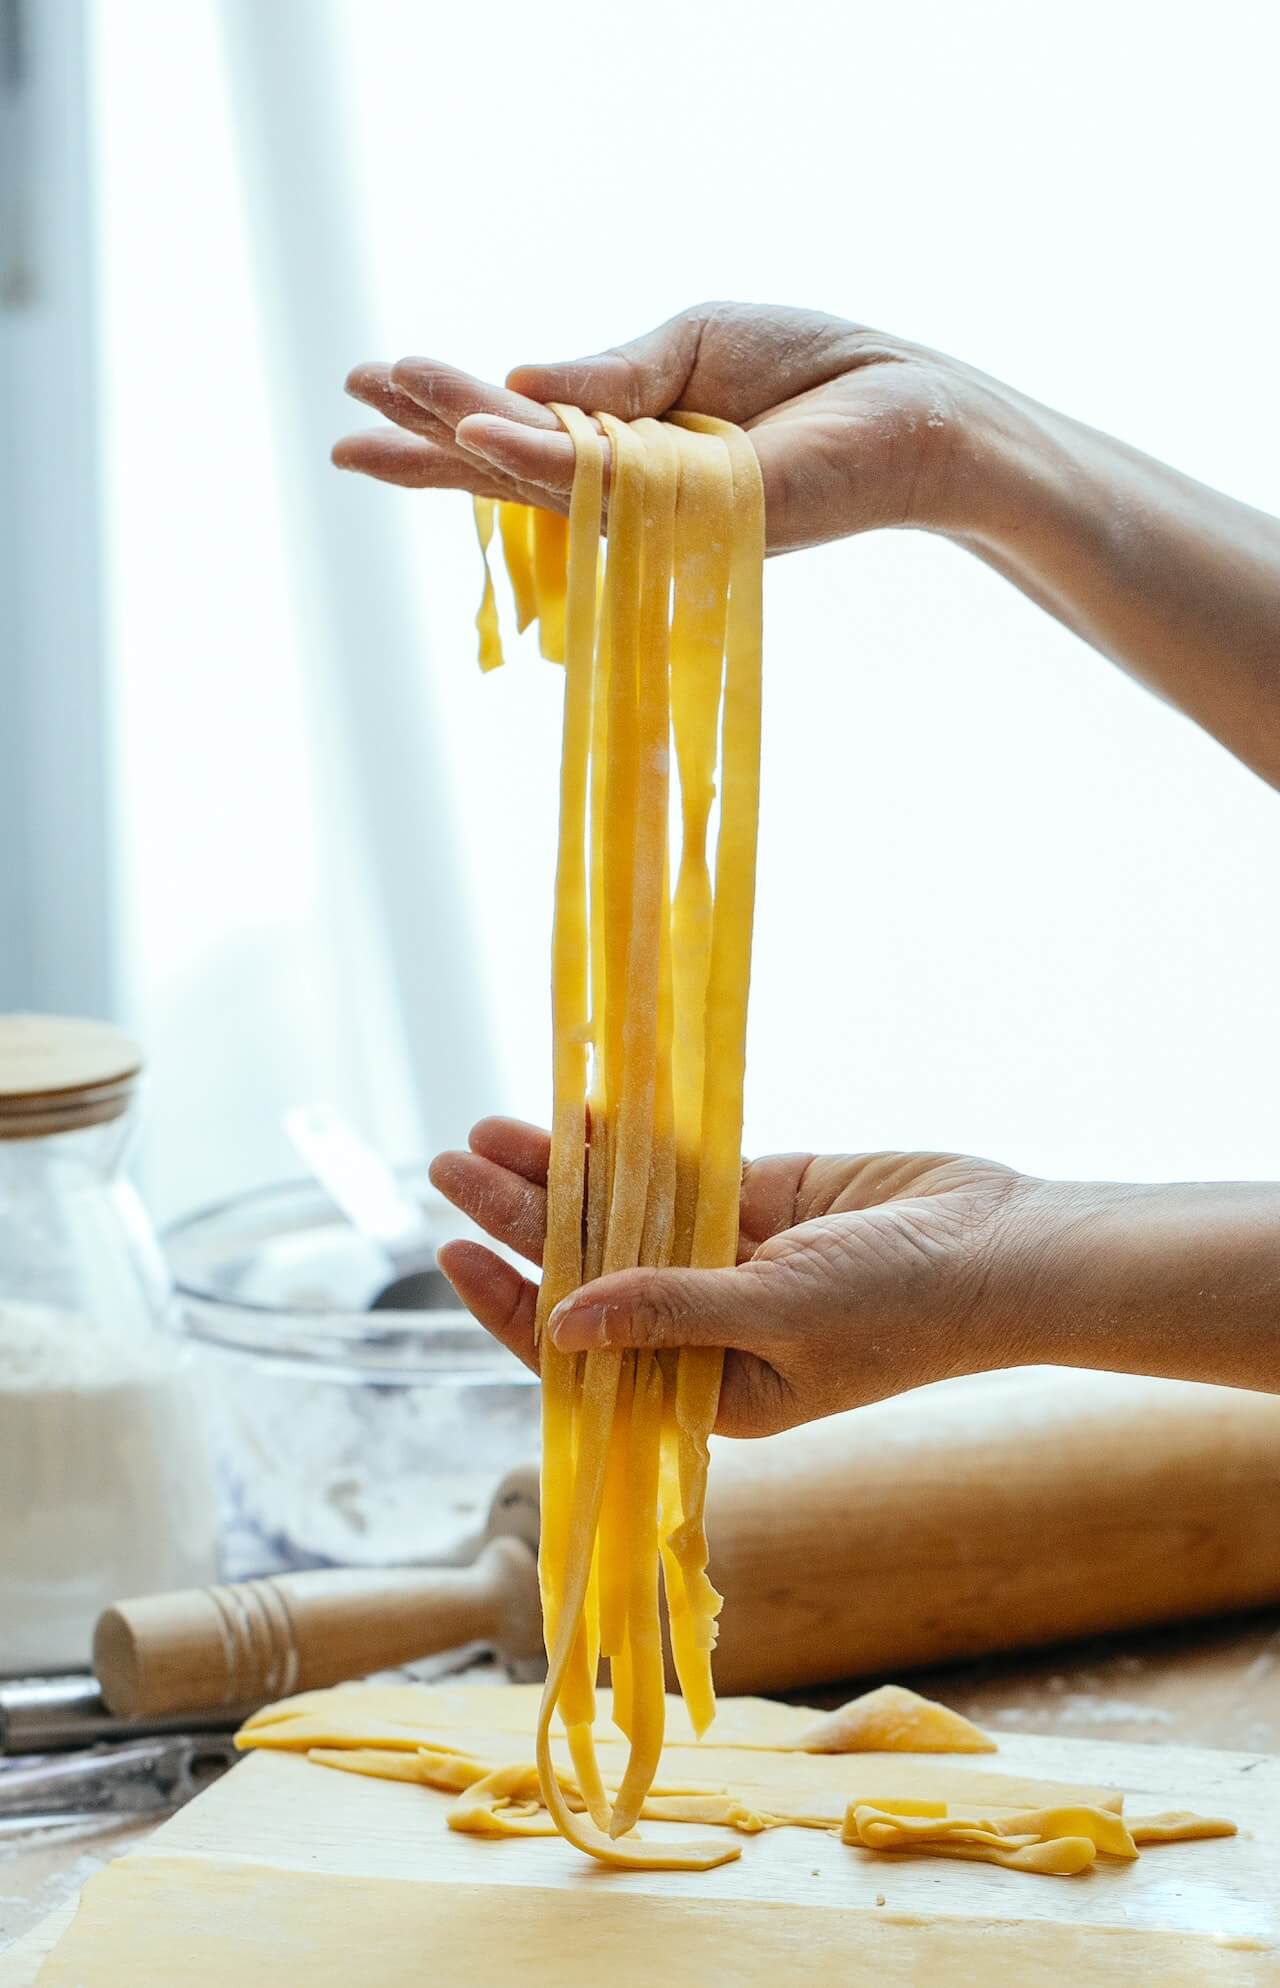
x=105, y=1483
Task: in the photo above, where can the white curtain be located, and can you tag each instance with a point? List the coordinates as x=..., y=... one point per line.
x=56, y=876
x=297, y=926
x=1008, y=902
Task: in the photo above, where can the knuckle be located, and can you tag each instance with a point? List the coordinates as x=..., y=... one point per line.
x=577, y=379
x=634, y=384
x=654, y=1318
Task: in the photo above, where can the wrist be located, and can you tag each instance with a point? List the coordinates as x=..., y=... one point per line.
x=1182, y=1280
x=1009, y=472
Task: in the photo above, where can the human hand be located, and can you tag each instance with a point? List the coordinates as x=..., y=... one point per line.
x=858, y=1277
x=853, y=429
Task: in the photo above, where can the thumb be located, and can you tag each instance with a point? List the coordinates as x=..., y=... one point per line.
x=644, y=377
x=657, y=1309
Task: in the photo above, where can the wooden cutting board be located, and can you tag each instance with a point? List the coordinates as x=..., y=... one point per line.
x=361, y=1873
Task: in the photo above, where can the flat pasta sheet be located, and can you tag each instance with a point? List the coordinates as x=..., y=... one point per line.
x=155, y=1922
x=289, y=1875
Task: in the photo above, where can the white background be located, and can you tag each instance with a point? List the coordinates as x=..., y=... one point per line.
x=1008, y=902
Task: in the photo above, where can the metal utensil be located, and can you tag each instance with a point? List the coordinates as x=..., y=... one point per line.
x=106, y=1783
x=370, y=1196
x=48, y=1714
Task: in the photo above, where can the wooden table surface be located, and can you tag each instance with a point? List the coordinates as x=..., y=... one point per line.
x=1211, y=1684
x=1201, y=1684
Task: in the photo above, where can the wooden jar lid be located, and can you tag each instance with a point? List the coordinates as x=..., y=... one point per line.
x=59, y=1073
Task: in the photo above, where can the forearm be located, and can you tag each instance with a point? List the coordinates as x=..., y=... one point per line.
x=1181, y=1280
x=1177, y=583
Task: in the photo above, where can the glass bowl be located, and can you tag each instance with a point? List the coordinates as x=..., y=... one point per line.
x=344, y=1437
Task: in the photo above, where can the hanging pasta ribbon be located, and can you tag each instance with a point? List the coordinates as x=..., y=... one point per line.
x=649, y=1002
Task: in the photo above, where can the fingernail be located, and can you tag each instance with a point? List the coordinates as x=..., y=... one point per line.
x=442, y=1263
x=576, y=1329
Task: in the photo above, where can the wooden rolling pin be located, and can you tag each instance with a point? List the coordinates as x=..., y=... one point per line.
x=249, y=1641
x=993, y=1513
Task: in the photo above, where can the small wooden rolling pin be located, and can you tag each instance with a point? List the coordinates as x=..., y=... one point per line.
x=994, y=1513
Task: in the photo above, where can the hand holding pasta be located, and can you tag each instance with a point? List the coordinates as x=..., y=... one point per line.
x=860, y=1276
x=856, y=1276
x=853, y=429
x=856, y=429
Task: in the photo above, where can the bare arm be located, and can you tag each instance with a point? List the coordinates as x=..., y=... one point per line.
x=1177, y=583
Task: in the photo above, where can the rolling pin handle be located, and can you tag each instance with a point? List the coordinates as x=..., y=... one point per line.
x=249, y=1641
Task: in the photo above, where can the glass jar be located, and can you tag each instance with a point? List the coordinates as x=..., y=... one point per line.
x=105, y=1482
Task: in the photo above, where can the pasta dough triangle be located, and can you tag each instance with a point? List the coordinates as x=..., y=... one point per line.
x=894, y=1720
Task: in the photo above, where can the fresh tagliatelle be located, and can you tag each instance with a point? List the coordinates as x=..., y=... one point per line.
x=874, y=1773
x=650, y=965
